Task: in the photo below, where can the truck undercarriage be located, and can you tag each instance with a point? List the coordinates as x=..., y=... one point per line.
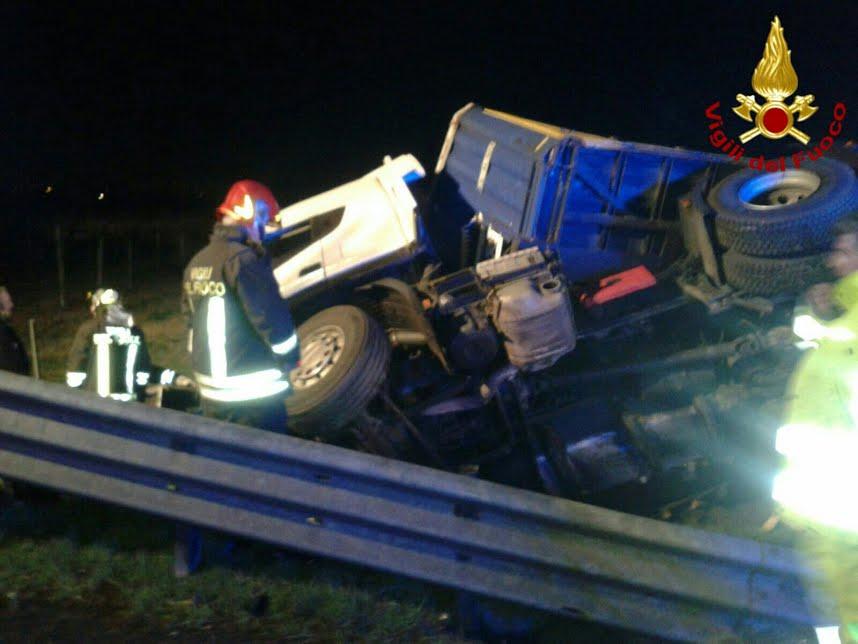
x=628, y=407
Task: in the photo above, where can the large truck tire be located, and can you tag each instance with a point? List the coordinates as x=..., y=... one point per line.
x=774, y=275
x=344, y=361
x=771, y=214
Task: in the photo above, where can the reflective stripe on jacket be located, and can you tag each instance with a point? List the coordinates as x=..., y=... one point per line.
x=242, y=338
x=112, y=361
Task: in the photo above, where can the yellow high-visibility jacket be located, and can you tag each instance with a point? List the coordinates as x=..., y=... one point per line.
x=822, y=389
x=819, y=437
x=818, y=488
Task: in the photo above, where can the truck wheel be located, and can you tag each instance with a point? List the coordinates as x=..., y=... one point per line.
x=344, y=361
x=773, y=275
x=769, y=214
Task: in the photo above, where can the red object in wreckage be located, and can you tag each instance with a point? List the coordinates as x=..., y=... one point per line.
x=619, y=285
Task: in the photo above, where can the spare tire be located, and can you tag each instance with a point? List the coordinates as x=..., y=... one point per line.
x=769, y=214
x=774, y=275
x=344, y=361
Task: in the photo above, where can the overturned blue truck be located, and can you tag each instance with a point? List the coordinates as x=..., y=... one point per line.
x=553, y=309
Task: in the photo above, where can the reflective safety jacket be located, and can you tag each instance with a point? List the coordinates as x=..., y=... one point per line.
x=112, y=361
x=819, y=437
x=241, y=336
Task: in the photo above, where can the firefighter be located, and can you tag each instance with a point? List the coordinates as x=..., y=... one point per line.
x=817, y=487
x=241, y=335
x=109, y=354
x=13, y=357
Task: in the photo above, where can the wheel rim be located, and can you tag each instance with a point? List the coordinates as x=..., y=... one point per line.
x=772, y=190
x=320, y=351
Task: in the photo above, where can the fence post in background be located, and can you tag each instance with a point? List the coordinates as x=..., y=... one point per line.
x=99, y=259
x=158, y=242
x=130, y=261
x=34, y=352
x=61, y=269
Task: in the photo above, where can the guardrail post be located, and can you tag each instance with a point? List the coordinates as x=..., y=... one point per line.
x=187, y=550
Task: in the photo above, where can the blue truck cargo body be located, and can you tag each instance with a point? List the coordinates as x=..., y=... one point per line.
x=600, y=203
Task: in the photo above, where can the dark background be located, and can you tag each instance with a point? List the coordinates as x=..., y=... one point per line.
x=165, y=104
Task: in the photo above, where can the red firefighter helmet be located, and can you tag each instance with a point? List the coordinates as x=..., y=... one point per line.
x=249, y=203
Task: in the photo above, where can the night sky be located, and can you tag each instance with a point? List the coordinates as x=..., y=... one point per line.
x=149, y=101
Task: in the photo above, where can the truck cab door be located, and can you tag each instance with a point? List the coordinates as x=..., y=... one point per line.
x=297, y=260
x=304, y=256
x=367, y=231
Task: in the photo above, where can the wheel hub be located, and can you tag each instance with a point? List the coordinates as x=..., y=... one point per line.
x=773, y=190
x=786, y=196
x=319, y=353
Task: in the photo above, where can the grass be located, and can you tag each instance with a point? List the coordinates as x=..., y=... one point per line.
x=113, y=564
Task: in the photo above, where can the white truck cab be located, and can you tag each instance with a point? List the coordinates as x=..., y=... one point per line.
x=334, y=233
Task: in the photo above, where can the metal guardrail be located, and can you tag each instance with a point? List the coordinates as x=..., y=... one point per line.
x=535, y=550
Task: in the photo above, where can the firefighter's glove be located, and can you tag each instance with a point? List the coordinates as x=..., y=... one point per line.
x=183, y=382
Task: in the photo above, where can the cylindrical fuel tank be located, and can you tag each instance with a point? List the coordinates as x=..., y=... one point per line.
x=535, y=317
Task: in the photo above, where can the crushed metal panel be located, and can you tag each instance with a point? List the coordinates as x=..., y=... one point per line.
x=539, y=184
x=617, y=204
x=494, y=163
